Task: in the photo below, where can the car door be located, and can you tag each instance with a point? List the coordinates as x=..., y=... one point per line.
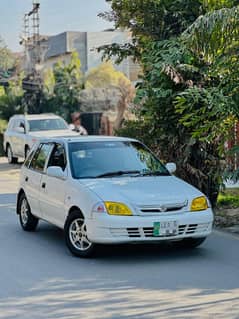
x=10, y=135
x=33, y=176
x=53, y=189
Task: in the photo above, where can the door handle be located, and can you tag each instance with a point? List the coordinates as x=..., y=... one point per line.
x=26, y=179
x=43, y=185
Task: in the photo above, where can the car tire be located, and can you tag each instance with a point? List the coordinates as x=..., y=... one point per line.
x=190, y=243
x=11, y=159
x=76, y=236
x=27, y=220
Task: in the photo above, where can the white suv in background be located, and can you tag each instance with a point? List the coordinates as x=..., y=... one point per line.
x=24, y=130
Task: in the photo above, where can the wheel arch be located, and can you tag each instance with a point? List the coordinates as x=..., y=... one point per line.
x=7, y=145
x=73, y=209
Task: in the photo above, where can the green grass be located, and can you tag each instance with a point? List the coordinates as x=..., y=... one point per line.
x=228, y=198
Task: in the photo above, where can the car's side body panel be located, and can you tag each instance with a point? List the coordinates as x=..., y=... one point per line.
x=30, y=183
x=52, y=200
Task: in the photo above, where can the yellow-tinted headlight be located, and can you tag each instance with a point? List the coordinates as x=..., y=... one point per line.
x=117, y=209
x=199, y=203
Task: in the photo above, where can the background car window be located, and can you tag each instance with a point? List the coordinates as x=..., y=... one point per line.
x=15, y=124
x=58, y=157
x=39, y=158
x=22, y=124
x=18, y=123
x=47, y=125
x=10, y=124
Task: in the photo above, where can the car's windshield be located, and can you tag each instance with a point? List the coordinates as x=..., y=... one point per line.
x=47, y=125
x=112, y=159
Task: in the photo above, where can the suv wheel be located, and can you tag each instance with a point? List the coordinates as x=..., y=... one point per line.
x=27, y=220
x=76, y=236
x=11, y=159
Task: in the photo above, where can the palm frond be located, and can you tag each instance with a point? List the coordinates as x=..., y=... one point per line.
x=211, y=35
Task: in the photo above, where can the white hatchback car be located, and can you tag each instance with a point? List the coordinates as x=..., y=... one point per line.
x=104, y=190
x=24, y=130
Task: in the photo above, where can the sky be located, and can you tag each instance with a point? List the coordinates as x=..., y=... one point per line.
x=56, y=16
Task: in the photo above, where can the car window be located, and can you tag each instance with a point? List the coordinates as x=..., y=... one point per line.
x=18, y=123
x=39, y=158
x=47, y=125
x=58, y=157
x=22, y=124
x=93, y=159
x=10, y=124
x=15, y=124
x=29, y=158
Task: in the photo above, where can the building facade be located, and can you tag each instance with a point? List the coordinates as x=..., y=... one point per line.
x=60, y=47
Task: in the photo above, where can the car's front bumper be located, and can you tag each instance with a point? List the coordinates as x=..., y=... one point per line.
x=106, y=229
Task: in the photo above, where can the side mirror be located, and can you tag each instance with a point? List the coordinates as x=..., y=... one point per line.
x=171, y=167
x=56, y=171
x=20, y=129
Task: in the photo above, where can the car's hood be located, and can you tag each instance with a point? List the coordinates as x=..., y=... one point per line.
x=53, y=133
x=143, y=190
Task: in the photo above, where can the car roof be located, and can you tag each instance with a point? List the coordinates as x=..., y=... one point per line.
x=36, y=116
x=86, y=138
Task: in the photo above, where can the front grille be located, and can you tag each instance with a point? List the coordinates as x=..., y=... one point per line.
x=133, y=232
x=181, y=229
x=191, y=229
x=148, y=232
x=159, y=210
x=164, y=208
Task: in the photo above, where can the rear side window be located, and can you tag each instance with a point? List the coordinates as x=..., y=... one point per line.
x=29, y=158
x=10, y=124
x=17, y=123
x=39, y=159
x=58, y=157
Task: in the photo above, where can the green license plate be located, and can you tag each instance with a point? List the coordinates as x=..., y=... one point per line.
x=165, y=228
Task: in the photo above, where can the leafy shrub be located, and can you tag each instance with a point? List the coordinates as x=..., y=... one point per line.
x=3, y=125
x=229, y=198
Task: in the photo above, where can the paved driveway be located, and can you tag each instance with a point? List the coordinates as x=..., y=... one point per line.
x=40, y=279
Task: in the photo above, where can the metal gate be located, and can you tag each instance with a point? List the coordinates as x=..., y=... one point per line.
x=91, y=122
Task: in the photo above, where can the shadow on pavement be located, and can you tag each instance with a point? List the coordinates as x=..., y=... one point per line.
x=53, y=236
x=6, y=167
x=121, y=281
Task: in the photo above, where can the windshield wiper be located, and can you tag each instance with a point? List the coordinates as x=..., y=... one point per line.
x=153, y=173
x=117, y=173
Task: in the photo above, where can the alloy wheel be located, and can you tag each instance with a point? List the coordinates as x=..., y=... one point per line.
x=24, y=211
x=78, y=235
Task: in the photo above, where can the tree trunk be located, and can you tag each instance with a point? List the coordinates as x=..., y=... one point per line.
x=120, y=114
